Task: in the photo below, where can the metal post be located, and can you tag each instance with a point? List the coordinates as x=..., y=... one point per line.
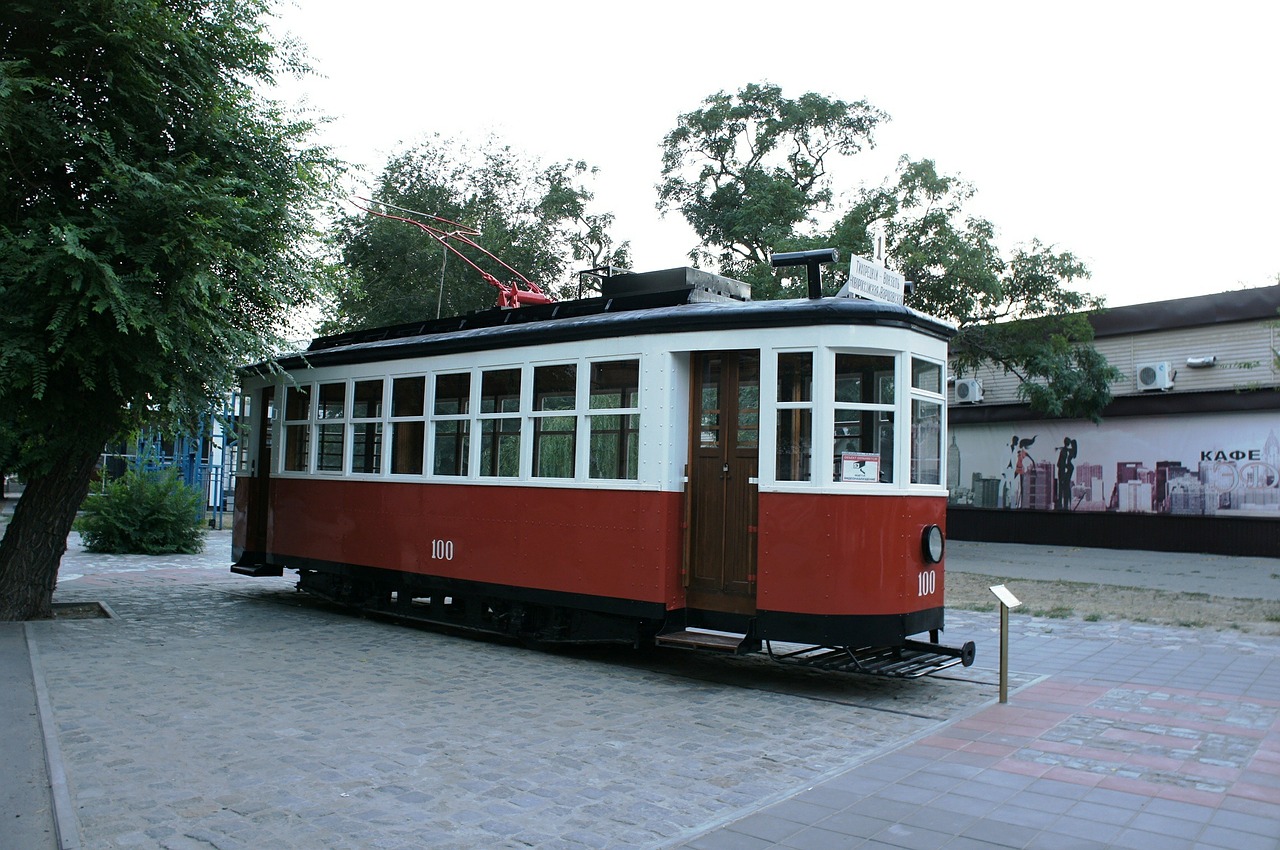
x=1007, y=601
x=1004, y=653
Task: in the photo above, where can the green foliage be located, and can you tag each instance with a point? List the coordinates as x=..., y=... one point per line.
x=533, y=217
x=747, y=169
x=144, y=513
x=749, y=173
x=156, y=216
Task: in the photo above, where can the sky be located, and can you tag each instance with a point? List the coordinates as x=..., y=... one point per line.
x=1140, y=136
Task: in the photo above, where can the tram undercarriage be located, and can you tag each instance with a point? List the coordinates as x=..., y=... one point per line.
x=536, y=618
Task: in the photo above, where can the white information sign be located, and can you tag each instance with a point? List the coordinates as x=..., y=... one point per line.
x=856, y=466
x=873, y=281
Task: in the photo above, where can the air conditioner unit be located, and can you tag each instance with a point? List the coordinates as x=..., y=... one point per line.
x=968, y=390
x=1156, y=376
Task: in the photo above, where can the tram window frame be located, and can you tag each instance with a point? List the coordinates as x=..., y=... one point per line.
x=296, y=456
x=452, y=424
x=407, y=423
x=928, y=405
x=501, y=425
x=554, y=416
x=367, y=428
x=874, y=420
x=794, y=422
x=613, y=429
x=330, y=426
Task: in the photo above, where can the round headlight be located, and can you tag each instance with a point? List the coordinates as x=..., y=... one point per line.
x=931, y=543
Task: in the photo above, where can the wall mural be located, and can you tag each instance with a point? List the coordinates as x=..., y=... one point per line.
x=1213, y=464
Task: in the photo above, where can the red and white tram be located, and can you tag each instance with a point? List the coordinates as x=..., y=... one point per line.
x=666, y=463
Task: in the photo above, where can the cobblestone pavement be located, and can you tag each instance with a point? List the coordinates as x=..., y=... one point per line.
x=229, y=712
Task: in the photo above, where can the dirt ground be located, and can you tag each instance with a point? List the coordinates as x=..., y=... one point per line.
x=1062, y=599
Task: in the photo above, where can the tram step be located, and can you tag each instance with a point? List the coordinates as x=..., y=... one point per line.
x=706, y=639
x=257, y=570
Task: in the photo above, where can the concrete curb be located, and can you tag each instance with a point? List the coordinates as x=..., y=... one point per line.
x=64, y=819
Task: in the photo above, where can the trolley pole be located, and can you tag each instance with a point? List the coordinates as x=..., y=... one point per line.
x=1007, y=601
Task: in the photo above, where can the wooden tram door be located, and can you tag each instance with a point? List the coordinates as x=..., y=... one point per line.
x=721, y=497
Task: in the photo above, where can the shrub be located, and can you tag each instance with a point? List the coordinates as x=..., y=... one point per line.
x=144, y=513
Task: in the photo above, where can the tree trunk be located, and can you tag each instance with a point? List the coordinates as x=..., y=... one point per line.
x=36, y=538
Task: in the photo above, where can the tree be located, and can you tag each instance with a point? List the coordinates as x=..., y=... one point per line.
x=153, y=233
x=750, y=174
x=746, y=170
x=533, y=217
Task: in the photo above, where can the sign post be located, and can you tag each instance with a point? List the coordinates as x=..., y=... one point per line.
x=1007, y=601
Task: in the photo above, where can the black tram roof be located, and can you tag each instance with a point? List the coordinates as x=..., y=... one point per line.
x=681, y=310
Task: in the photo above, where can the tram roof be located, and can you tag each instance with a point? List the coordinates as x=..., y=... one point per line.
x=585, y=319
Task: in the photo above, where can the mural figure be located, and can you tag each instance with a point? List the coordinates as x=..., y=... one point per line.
x=1023, y=464
x=1006, y=475
x=1066, y=469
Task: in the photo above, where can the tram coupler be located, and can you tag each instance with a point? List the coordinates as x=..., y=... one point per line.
x=965, y=652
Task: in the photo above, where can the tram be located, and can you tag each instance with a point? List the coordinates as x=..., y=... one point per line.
x=666, y=463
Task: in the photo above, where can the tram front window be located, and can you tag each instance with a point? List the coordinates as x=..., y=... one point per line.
x=862, y=448
x=795, y=416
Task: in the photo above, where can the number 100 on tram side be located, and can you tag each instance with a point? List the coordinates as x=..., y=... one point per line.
x=668, y=463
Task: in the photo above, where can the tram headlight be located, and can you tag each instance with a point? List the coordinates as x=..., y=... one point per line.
x=931, y=543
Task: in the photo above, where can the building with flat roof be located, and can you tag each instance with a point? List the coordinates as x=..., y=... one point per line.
x=1187, y=456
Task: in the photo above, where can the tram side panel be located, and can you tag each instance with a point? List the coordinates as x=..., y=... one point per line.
x=847, y=569
x=620, y=544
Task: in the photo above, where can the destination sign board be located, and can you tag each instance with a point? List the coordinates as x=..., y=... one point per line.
x=871, y=280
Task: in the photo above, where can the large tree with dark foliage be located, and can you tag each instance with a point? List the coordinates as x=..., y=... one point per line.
x=531, y=216
x=153, y=224
x=751, y=174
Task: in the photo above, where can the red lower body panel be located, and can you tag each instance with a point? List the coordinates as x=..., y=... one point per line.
x=613, y=543
x=842, y=555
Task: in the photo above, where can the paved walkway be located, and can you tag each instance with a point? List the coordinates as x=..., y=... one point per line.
x=229, y=712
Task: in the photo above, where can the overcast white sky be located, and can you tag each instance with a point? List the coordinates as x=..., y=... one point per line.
x=1141, y=136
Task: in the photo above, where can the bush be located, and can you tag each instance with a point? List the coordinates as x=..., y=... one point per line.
x=144, y=513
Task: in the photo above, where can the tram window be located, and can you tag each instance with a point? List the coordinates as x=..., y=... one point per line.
x=795, y=416
x=709, y=419
x=926, y=442
x=748, y=401
x=500, y=447
x=408, y=396
x=554, y=437
x=615, y=384
x=406, y=447
x=453, y=394
x=864, y=379
x=297, y=407
x=366, y=400
x=499, y=391
x=408, y=399
x=366, y=447
x=862, y=448
x=330, y=404
x=926, y=376
x=499, y=434
x=615, y=447
x=453, y=445
x=615, y=435
x=452, y=435
x=366, y=437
